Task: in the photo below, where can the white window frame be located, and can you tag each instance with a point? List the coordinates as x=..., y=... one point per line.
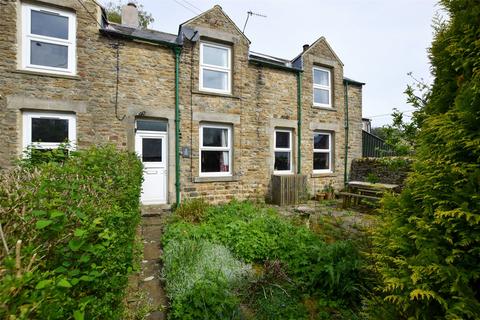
x=323, y=87
x=27, y=36
x=227, y=148
x=328, y=151
x=228, y=69
x=289, y=150
x=27, y=130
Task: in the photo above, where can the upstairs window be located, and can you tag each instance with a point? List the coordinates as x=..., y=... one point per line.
x=215, y=150
x=215, y=68
x=48, y=39
x=283, y=152
x=322, y=87
x=47, y=131
x=322, y=152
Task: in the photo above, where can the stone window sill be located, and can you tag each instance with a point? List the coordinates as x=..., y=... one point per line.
x=215, y=179
x=324, y=175
x=46, y=74
x=324, y=108
x=207, y=93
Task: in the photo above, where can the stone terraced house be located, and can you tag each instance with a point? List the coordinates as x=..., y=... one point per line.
x=208, y=117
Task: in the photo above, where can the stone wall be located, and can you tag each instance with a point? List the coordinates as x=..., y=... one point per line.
x=263, y=98
x=385, y=170
x=146, y=83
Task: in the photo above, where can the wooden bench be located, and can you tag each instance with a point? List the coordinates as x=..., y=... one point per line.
x=348, y=196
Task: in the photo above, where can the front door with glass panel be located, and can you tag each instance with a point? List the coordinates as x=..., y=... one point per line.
x=151, y=147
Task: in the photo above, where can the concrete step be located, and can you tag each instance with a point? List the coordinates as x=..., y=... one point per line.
x=155, y=210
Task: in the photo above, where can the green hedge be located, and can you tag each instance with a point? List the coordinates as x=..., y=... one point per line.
x=77, y=221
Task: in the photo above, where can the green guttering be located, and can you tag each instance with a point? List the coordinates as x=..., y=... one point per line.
x=299, y=125
x=177, y=50
x=345, y=173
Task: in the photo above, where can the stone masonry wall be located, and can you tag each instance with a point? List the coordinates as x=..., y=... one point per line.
x=262, y=99
x=392, y=170
x=146, y=83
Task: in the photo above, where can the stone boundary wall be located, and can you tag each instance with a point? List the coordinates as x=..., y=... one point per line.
x=392, y=170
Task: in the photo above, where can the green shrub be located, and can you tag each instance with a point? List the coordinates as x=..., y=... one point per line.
x=186, y=262
x=200, y=278
x=210, y=298
x=273, y=295
x=192, y=210
x=427, y=247
x=78, y=218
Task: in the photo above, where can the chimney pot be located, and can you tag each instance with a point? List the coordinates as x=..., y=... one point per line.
x=305, y=47
x=130, y=15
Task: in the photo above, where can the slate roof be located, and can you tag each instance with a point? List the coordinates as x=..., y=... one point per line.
x=170, y=39
x=271, y=60
x=140, y=34
x=351, y=81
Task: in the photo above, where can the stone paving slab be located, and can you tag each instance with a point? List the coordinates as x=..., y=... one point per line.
x=148, y=280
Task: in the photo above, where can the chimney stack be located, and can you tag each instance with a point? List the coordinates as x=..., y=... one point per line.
x=130, y=15
x=305, y=47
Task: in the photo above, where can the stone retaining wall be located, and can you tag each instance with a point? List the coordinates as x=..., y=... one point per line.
x=386, y=170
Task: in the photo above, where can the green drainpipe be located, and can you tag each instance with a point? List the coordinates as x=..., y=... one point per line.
x=178, y=51
x=299, y=117
x=345, y=173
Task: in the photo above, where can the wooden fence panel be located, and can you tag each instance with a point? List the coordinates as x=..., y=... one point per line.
x=288, y=189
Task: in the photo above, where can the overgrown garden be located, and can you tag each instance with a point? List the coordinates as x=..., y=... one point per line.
x=245, y=261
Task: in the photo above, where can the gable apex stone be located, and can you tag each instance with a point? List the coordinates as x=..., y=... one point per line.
x=215, y=9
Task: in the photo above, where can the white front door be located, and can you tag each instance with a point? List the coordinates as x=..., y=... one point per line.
x=151, y=147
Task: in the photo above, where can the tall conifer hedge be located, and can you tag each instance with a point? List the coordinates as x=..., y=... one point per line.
x=427, y=248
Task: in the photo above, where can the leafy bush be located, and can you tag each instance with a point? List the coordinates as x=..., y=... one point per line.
x=210, y=298
x=77, y=222
x=273, y=295
x=192, y=210
x=200, y=277
x=427, y=247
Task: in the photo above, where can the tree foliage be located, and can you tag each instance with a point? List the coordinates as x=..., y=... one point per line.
x=114, y=13
x=427, y=248
x=401, y=135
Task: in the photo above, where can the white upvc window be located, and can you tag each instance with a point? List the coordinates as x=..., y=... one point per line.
x=283, y=152
x=48, y=40
x=322, y=152
x=215, y=150
x=215, y=68
x=47, y=130
x=322, y=87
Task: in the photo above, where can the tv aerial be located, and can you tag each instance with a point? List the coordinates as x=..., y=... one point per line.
x=249, y=14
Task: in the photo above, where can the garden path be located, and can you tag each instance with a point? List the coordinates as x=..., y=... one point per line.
x=146, y=286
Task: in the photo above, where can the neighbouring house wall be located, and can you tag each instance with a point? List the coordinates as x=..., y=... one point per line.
x=146, y=84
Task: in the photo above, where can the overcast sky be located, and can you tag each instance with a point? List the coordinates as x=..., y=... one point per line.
x=379, y=41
